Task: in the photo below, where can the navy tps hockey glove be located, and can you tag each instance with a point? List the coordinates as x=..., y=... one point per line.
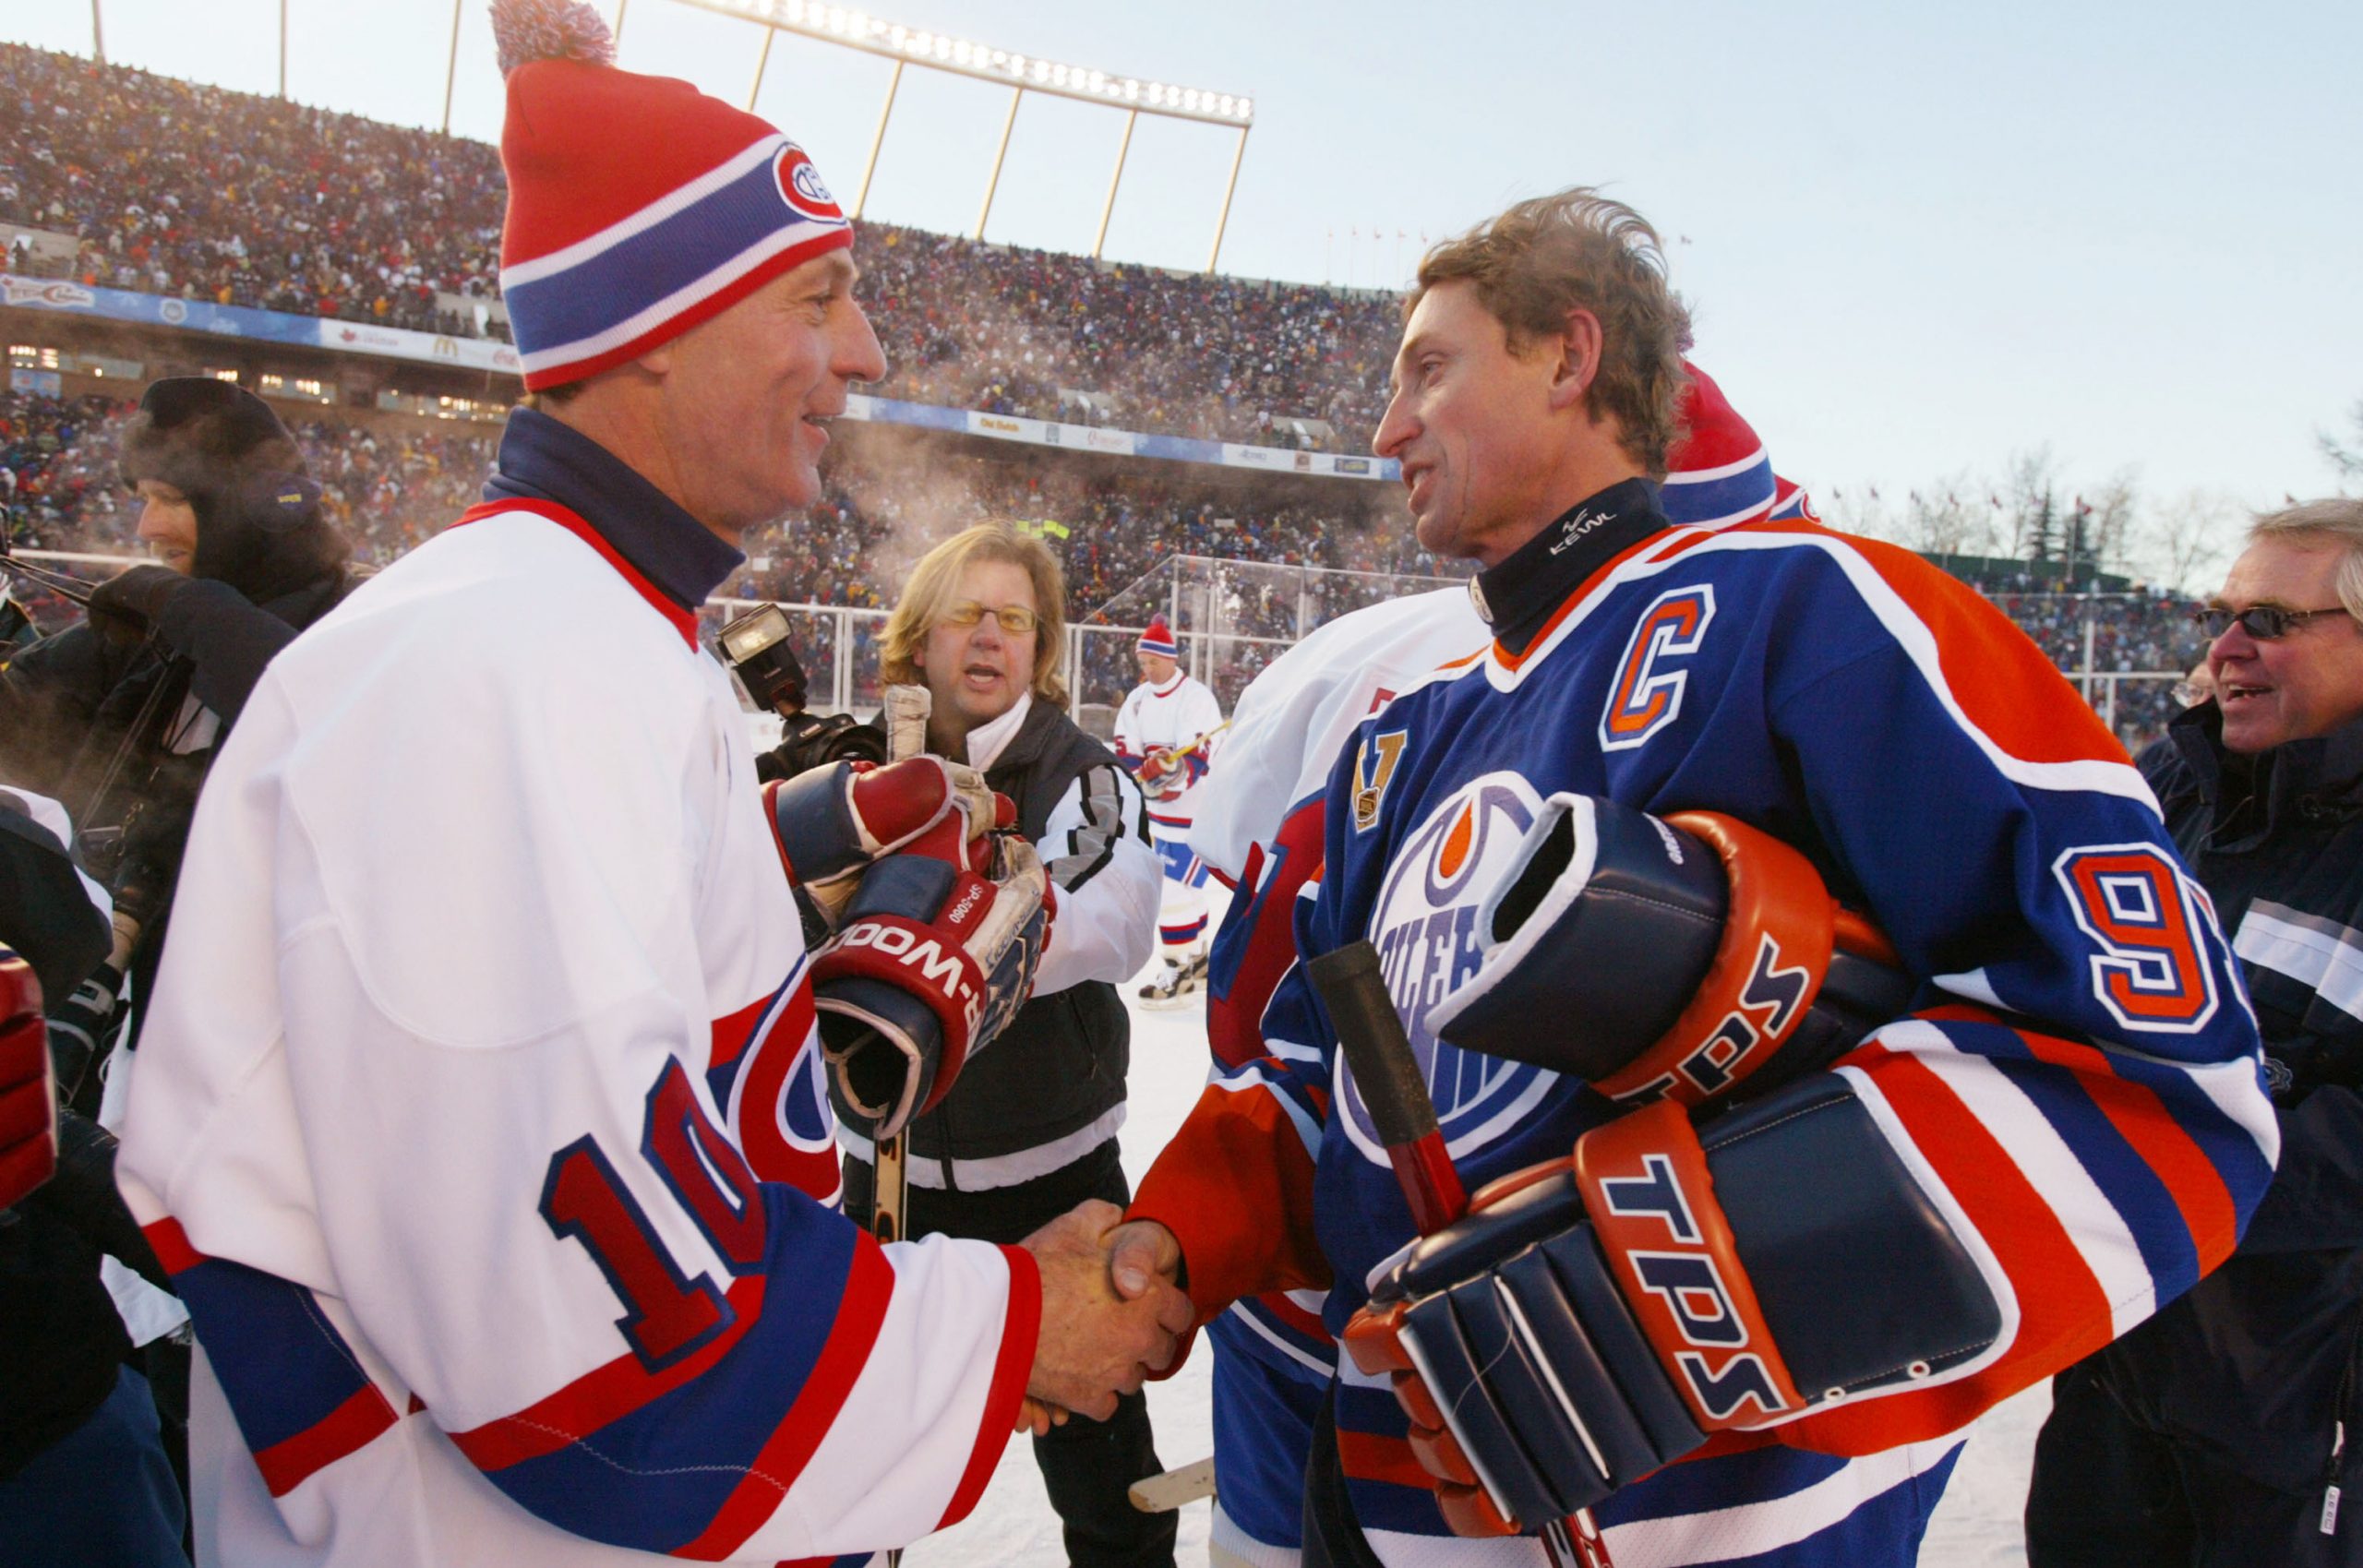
x=1687, y=957
x=935, y=951
x=1596, y=1318
x=28, y=1099
x=833, y=823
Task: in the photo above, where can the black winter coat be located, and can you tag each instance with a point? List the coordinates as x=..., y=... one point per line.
x=2258, y=1362
x=1061, y=1064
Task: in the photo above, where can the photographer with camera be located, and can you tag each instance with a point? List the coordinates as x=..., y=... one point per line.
x=1029, y=1131
x=756, y=647
x=119, y=716
x=119, y=719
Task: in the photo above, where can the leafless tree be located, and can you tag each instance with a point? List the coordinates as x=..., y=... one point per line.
x=2184, y=541
x=2344, y=459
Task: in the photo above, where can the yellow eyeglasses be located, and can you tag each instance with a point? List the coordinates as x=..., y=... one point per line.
x=1015, y=619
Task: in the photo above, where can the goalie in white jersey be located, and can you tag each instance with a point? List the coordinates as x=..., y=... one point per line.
x=1167, y=733
x=480, y=1117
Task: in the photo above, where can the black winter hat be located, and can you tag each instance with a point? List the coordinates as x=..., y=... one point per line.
x=224, y=449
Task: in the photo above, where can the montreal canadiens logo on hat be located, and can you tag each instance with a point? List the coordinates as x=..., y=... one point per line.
x=801, y=188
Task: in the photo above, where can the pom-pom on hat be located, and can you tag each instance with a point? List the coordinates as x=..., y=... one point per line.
x=1717, y=472
x=1159, y=639
x=638, y=207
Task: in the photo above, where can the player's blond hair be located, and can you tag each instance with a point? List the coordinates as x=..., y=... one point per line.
x=2338, y=519
x=934, y=586
x=1578, y=250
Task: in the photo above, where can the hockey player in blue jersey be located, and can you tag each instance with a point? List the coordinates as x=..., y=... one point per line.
x=1259, y=824
x=1772, y=916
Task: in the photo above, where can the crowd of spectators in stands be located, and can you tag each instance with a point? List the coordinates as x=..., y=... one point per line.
x=174, y=189
x=391, y=483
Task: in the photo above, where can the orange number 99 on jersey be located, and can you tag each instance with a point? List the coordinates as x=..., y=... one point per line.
x=2153, y=972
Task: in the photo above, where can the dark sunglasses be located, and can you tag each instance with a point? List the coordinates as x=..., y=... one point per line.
x=2264, y=622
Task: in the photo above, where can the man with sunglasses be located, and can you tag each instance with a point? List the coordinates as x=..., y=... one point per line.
x=2214, y=1434
x=1029, y=1131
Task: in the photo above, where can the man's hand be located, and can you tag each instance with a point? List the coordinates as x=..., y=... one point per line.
x=1142, y=1255
x=1095, y=1344
x=124, y=609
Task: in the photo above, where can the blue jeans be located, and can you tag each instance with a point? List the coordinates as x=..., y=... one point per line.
x=101, y=1496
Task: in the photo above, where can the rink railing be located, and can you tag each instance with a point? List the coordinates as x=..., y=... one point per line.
x=839, y=646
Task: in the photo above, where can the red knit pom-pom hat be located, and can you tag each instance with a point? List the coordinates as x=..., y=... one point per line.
x=1718, y=474
x=1159, y=639
x=638, y=207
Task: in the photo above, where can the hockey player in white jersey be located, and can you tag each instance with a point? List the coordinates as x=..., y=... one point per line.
x=1167, y=733
x=480, y=1117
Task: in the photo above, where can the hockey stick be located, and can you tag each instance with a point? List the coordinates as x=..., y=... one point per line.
x=905, y=714
x=1394, y=1090
x=1167, y=757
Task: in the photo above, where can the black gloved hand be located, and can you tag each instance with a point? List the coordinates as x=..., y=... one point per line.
x=126, y=607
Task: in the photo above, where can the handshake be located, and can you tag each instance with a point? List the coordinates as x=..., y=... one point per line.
x=1112, y=1312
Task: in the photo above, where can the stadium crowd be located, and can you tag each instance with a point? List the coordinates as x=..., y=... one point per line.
x=387, y=488
x=286, y=207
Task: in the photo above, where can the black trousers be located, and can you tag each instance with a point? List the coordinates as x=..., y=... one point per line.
x=2110, y=1492
x=1086, y=1466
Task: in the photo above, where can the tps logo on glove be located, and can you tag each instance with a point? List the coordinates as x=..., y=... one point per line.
x=1681, y=1271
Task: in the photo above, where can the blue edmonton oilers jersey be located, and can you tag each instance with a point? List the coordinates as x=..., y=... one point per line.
x=2077, y=1086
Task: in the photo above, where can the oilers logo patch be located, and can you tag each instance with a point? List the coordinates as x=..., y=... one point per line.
x=1425, y=928
x=801, y=188
x=1375, y=761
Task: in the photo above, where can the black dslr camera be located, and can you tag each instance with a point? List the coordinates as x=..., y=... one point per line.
x=756, y=647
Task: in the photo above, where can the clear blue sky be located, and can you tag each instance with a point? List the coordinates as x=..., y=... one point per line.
x=1918, y=238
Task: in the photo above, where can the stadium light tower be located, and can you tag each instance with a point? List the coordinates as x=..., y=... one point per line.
x=1022, y=74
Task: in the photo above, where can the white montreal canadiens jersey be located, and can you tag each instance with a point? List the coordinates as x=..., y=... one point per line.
x=1161, y=718
x=479, y=1120
x=1296, y=715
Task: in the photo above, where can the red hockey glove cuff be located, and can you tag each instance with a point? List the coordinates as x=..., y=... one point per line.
x=933, y=959
x=1685, y=956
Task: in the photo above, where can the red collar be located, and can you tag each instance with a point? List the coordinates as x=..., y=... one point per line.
x=1179, y=677
x=683, y=621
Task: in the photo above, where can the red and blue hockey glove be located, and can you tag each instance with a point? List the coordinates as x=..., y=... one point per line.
x=28, y=1099
x=1594, y=1319
x=1677, y=958
x=834, y=822
x=935, y=951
